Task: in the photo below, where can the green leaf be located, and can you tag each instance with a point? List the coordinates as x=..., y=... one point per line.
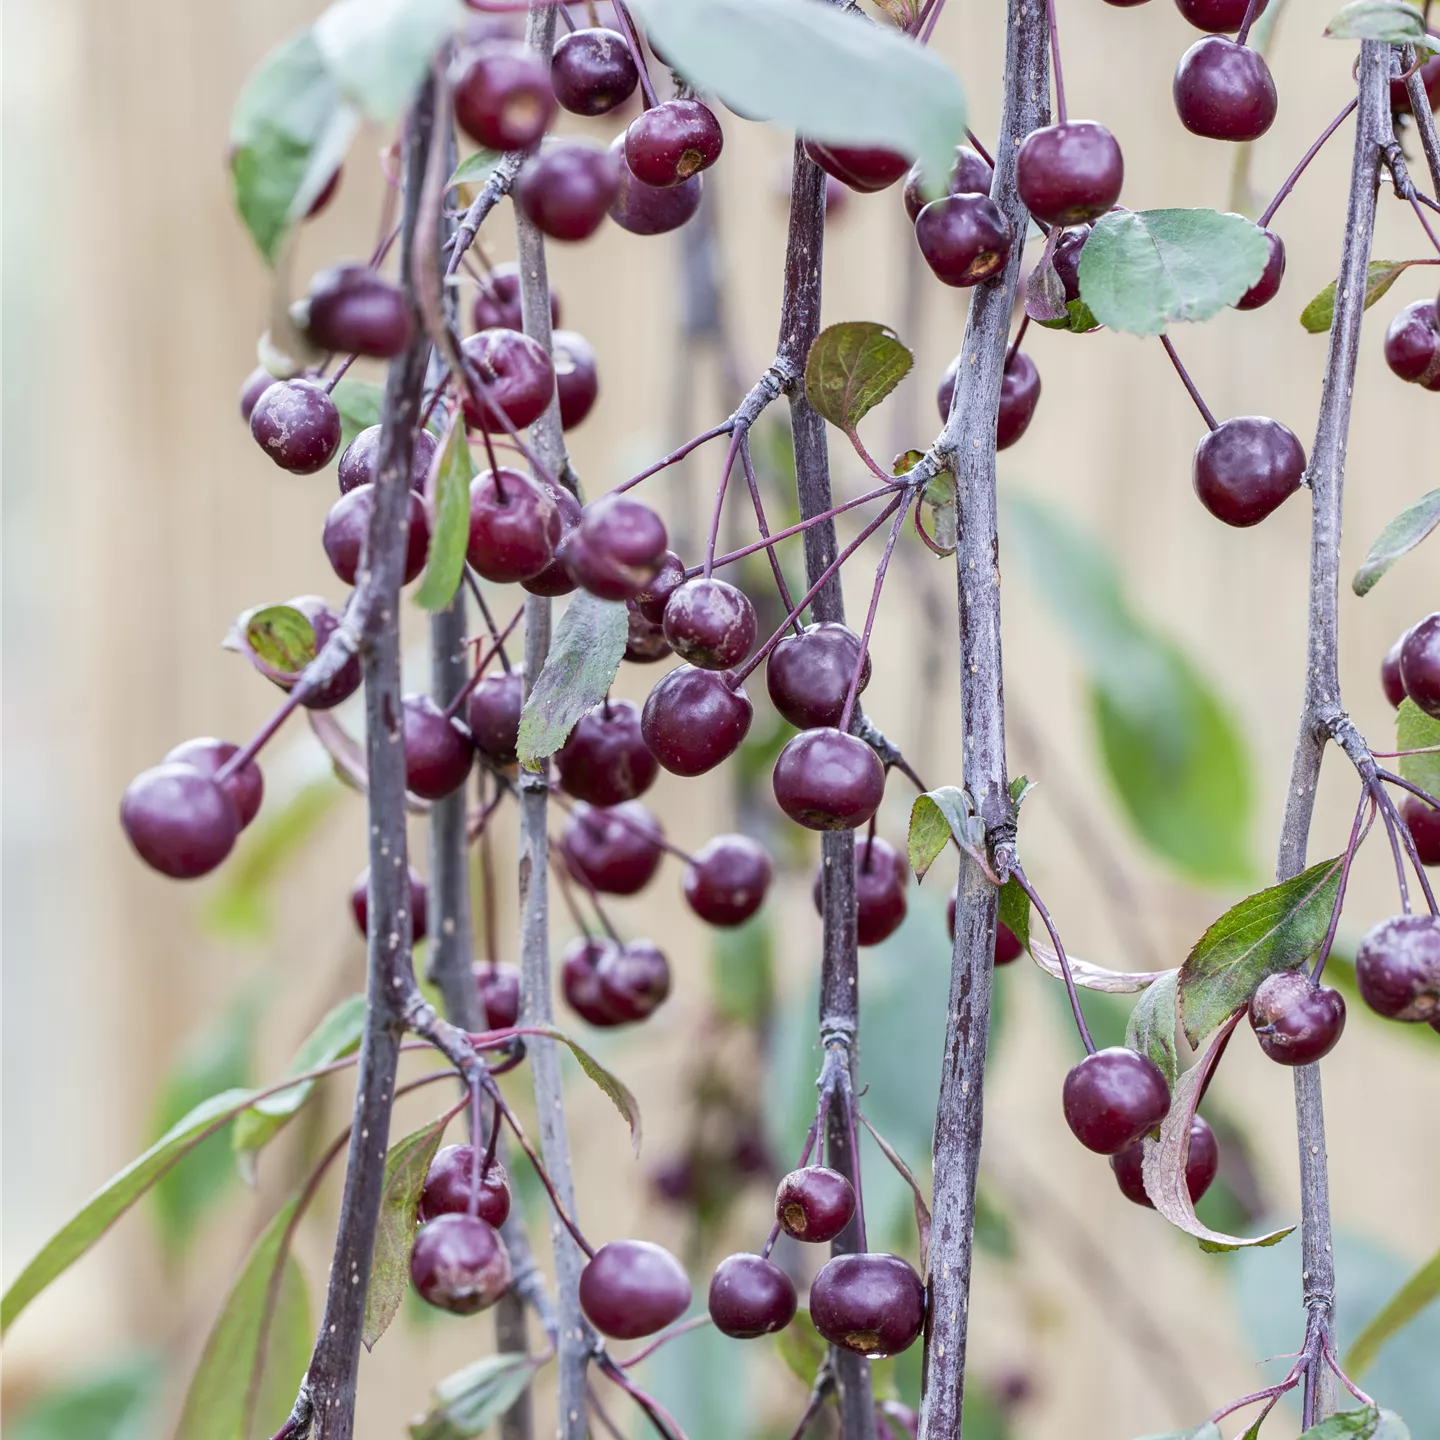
x=1420, y=1290
x=1319, y=315
x=474, y=169
x=1020, y=787
x=281, y=637
x=1141, y=271
x=1278, y=929
x=406, y=1166
x=1015, y=911
x=359, y=403
x=860, y=83
x=584, y=657
x=379, y=50
x=934, y=818
x=801, y=1347
x=337, y=1035
x=1151, y=1028
x=1389, y=20
x=450, y=519
x=289, y=132
x=116, y=1403
x=618, y=1092
x=1398, y=538
x=255, y=1336
x=1415, y=730
x=742, y=970
x=851, y=368
x=471, y=1400
x=1359, y=1424
x=939, y=500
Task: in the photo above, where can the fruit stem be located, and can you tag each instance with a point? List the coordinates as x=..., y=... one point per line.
x=880, y=570
x=637, y=52
x=481, y=665
x=1425, y=124
x=1251, y=11
x=763, y=526
x=979, y=149
x=473, y=581
x=1014, y=349
x=1017, y=874
x=339, y=374
x=683, y=1328
x=847, y=1099
x=1189, y=384
x=654, y=1411
x=1387, y=807
x=931, y=20
x=241, y=758
x=1060, y=111
x=557, y=859
x=612, y=812
x=674, y=456
x=1305, y=159
x=1357, y=836
x=736, y=436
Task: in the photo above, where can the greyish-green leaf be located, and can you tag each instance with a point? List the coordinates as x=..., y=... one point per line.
x=615, y=1088
x=851, y=368
x=1415, y=730
x=379, y=50
x=587, y=650
x=1141, y=271
x=1278, y=929
x=448, y=495
x=860, y=84
x=1151, y=1027
x=1389, y=20
x=1420, y=1290
x=1319, y=315
x=1398, y=538
x=1346, y=1425
x=471, y=1400
x=359, y=403
x=282, y=637
x=934, y=818
x=474, y=169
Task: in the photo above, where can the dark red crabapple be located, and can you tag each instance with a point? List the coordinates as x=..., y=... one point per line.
x=555, y=579
x=516, y=374
x=246, y=787
x=179, y=820
x=1390, y=679
x=651, y=209
x=750, y=1297
x=493, y=715
x=808, y=675
x=257, y=382
x=592, y=71
x=645, y=641
x=881, y=879
x=1296, y=1021
x=814, y=1204
x=1008, y=948
x=617, y=548
x=1429, y=78
x=514, y=526
x=872, y=1304
x=617, y=850
x=634, y=980
x=360, y=460
x=499, y=987
x=631, y=1288
x=970, y=175
x=1223, y=91
x=693, y=719
x=1422, y=821
x=348, y=523
x=1265, y=289
x=1397, y=968
x=1220, y=17
x=1019, y=395
x=668, y=143
x=964, y=238
x=447, y=1188
x=1202, y=1163
x=503, y=98
x=827, y=780
x=866, y=168
x=576, y=382
x=604, y=761
x=419, y=903
x=497, y=303
x=1113, y=1097
x=1066, y=259
x=1069, y=172
x=710, y=623
x=297, y=425
x=438, y=752
x=567, y=189
x=580, y=980
x=1247, y=467
x=653, y=599
x=1412, y=345
x=458, y=1263
x=352, y=309
x=1420, y=664
x=727, y=879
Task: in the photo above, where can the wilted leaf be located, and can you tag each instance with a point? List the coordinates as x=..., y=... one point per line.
x=1398, y=538
x=1415, y=730
x=934, y=818
x=1389, y=20
x=379, y=50
x=1086, y=975
x=939, y=500
x=471, y=1400
x=922, y=1208
x=851, y=368
x=448, y=493
x=1319, y=315
x=618, y=1092
x=1151, y=1030
x=1420, y=1290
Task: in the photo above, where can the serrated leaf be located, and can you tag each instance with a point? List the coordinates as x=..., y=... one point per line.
x=474, y=169
x=1415, y=730
x=860, y=83
x=1346, y=1425
x=448, y=494
x=1020, y=787
x=801, y=1347
x=359, y=403
x=378, y=51
x=281, y=637
x=1420, y=1290
x=1142, y=271
x=471, y=1400
x=851, y=368
x=1151, y=1028
x=1389, y=20
x=1398, y=538
x=406, y=1167
x=1319, y=315
x=1278, y=929
x=618, y=1092
x=1014, y=911
x=934, y=818
x=587, y=650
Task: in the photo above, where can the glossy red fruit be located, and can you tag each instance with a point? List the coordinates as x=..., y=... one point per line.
x=592, y=71
x=633, y=979
x=447, y=1187
x=872, y=1304
x=580, y=981
x=827, y=780
x=1296, y=1021
x=1113, y=1097
x=360, y=460
x=503, y=98
x=555, y=579
x=604, y=761
x=1420, y=664
x=1202, y=1162
x=499, y=987
x=617, y=548
x=727, y=880
x=493, y=714
x=1069, y=172
x=297, y=425
x=710, y=623
x=419, y=903
x=1019, y=395
x=814, y=1204
x=1247, y=467
x=970, y=175
x=616, y=850
x=1220, y=17
x=1390, y=679
x=351, y=309
x=514, y=526
x=881, y=880
x=246, y=787
x=866, y=168
x=668, y=143
x=964, y=238
x=567, y=189
x=459, y=1264
x=693, y=719
x=497, y=302
x=1423, y=822
x=632, y=1288
x=1223, y=91
x=1412, y=345
x=348, y=523
x=652, y=209
x=576, y=381
x=808, y=675
x=1429, y=78
x=653, y=599
x=1265, y=289
x=1397, y=968
x=179, y=820
x=257, y=382
x=438, y=752
x=516, y=374
x=750, y=1297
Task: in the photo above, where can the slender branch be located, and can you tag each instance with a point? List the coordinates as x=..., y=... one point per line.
x=1424, y=123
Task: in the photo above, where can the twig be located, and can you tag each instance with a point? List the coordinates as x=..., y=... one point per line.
x=1425, y=124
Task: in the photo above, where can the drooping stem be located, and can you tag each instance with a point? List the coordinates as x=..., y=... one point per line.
x=1188, y=383
x=1305, y=159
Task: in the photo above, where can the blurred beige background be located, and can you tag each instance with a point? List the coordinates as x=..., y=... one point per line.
x=139, y=519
